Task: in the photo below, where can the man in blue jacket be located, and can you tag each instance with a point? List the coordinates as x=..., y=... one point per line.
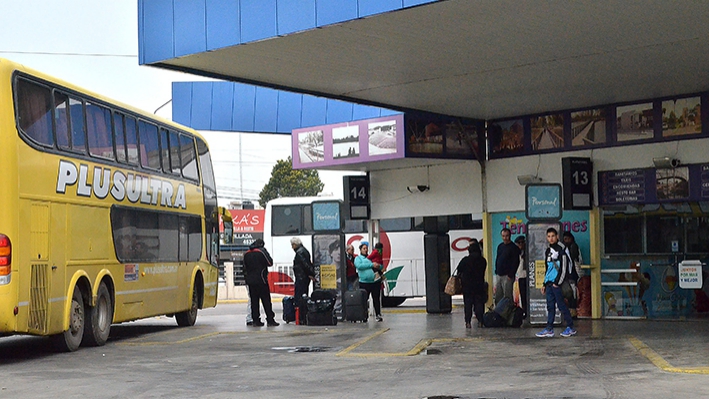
x=558, y=269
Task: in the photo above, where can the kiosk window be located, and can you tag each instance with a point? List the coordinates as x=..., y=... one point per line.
x=623, y=235
x=662, y=231
x=697, y=234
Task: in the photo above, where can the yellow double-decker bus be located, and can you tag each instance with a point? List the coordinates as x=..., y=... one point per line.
x=107, y=213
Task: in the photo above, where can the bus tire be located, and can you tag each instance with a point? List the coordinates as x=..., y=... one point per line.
x=189, y=317
x=99, y=318
x=392, y=301
x=69, y=340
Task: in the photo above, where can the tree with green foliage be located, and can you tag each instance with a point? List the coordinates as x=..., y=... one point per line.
x=287, y=182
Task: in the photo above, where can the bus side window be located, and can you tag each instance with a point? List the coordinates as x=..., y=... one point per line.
x=168, y=237
x=194, y=229
x=132, y=140
x=396, y=224
x=61, y=118
x=78, y=134
x=149, y=145
x=164, y=151
x=188, y=158
x=98, y=129
x=35, y=112
x=286, y=220
x=175, y=166
x=307, y=219
x=119, y=134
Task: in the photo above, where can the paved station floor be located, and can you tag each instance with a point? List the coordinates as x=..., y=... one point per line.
x=409, y=355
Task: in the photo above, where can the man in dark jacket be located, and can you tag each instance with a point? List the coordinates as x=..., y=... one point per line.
x=471, y=271
x=256, y=263
x=303, y=270
x=558, y=270
x=506, y=265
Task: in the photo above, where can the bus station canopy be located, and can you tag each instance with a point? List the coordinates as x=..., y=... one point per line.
x=476, y=59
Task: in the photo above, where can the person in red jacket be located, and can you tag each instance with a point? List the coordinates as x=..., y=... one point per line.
x=351, y=270
x=377, y=259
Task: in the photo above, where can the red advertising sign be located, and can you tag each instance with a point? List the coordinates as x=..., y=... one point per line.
x=248, y=220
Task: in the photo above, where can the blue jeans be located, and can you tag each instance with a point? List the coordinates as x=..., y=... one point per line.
x=556, y=299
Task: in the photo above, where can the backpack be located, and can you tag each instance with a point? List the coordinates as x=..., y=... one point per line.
x=517, y=318
x=507, y=311
x=492, y=319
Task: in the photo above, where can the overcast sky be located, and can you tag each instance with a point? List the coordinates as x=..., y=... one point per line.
x=94, y=44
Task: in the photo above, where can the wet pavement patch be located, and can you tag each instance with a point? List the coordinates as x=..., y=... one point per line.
x=303, y=349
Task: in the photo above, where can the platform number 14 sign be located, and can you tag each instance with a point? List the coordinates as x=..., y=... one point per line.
x=357, y=202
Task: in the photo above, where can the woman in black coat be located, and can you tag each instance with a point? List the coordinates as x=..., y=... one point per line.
x=471, y=271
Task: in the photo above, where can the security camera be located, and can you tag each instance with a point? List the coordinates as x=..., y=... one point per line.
x=528, y=179
x=417, y=189
x=665, y=162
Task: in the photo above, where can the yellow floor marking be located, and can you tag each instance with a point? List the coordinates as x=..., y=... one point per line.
x=661, y=363
x=143, y=342
x=418, y=348
x=182, y=341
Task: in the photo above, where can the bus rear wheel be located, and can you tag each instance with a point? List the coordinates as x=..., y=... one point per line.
x=69, y=340
x=189, y=317
x=99, y=318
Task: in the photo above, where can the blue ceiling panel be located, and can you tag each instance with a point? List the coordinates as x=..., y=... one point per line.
x=411, y=3
x=238, y=107
x=191, y=35
x=182, y=102
x=174, y=28
x=339, y=111
x=314, y=111
x=290, y=106
x=295, y=16
x=258, y=20
x=201, y=111
x=365, y=112
x=371, y=7
x=222, y=104
x=334, y=11
x=266, y=112
x=223, y=27
x=242, y=119
x=157, y=31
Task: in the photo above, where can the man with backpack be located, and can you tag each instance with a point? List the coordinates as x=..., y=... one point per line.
x=558, y=270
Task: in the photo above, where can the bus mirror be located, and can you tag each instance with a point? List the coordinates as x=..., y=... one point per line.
x=228, y=224
x=228, y=232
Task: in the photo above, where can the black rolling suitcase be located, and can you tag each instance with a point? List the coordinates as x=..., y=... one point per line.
x=288, y=309
x=356, y=306
x=321, y=308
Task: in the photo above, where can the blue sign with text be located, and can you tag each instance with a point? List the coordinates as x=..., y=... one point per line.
x=326, y=216
x=543, y=202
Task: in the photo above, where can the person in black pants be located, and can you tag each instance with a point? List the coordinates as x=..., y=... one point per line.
x=522, y=273
x=369, y=280
x=304, y=273
x=471, y=271
x=256, y=263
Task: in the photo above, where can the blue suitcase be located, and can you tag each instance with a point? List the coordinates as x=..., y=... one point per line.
x=288, y=309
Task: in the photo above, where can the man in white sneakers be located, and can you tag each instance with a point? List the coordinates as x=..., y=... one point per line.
x=558, y=269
